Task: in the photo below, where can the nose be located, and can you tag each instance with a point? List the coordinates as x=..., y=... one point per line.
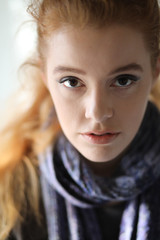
x=99, y=106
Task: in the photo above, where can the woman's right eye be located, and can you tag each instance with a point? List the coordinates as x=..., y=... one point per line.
x=71, y=82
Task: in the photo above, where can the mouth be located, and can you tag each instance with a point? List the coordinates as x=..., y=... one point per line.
x=103, y=134
x=100, y=137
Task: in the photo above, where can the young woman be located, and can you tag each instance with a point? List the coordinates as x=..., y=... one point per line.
x=80, y=157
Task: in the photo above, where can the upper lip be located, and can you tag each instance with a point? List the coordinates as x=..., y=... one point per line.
x=100, y=132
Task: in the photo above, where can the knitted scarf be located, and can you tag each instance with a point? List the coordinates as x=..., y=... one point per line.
x=71, y=191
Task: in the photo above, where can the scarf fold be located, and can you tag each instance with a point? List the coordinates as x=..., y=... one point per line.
x=71, y=191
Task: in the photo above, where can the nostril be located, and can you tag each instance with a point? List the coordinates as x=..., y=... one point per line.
x=98, y=107
x=99, y=115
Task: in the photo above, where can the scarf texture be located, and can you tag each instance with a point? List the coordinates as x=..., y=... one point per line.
x=72, y=192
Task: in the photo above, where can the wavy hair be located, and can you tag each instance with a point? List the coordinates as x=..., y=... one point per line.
x=29, y=127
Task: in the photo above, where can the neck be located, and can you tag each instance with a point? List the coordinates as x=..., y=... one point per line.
x=104, y=168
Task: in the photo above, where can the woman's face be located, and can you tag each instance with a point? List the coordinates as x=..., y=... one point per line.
x=99, y=80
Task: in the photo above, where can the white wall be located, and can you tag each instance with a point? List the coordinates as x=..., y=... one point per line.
x=16, y=43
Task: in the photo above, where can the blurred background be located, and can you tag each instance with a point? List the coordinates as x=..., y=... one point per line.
x=17, y=41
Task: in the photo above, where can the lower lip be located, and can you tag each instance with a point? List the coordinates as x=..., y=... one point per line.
x=100, y=139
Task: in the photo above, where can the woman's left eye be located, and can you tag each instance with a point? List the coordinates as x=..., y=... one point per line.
x=71, y=82
x=125, y=80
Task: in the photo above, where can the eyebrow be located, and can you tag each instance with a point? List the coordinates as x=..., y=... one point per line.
x=68, y=69
x=131, y=66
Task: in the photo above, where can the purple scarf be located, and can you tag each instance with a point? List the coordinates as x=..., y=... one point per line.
x=71, y=192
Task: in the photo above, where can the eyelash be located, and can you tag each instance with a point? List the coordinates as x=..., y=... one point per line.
x=70, y=78
x=126, y=77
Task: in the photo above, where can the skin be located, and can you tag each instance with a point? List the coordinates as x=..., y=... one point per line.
x=98, y=101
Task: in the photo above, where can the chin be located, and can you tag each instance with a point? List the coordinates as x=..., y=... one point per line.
x=99, y=157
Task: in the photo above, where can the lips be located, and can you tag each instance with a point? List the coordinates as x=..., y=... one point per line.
x=100, y=134
x=97, y=137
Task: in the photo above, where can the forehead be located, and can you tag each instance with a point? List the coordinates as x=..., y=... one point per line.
x=116, y=45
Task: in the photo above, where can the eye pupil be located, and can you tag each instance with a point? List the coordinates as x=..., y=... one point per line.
x=73, y=82
x=123, y=81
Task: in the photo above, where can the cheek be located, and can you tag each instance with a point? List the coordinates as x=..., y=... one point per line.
x=130, y=110
x=131, y=115
x=68, y=111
